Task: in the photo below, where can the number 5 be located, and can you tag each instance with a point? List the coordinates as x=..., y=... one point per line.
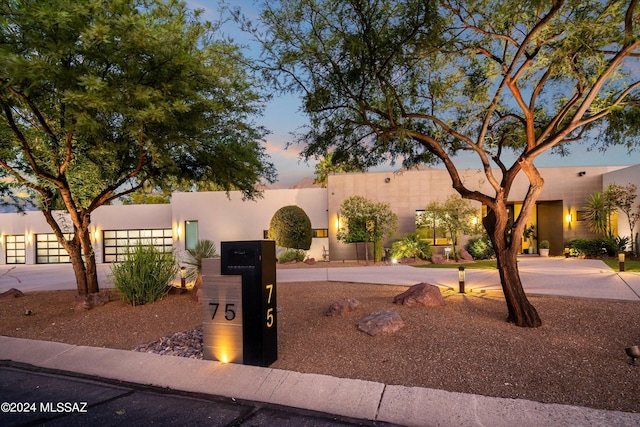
x=270, y=317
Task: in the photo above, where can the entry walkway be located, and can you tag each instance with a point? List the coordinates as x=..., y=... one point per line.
x=554, y=276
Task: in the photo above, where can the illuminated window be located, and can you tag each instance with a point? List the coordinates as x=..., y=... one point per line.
x=15, y=249
x=320, y=232
x=116, y=242
x=50, y=251
x=428, y=228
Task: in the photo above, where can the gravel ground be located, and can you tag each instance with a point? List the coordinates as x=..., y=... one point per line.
x=577, y=357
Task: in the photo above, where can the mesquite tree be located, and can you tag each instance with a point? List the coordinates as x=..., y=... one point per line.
x=98, y=98
x=423, y=81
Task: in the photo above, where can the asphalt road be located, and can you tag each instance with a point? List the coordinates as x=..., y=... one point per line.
x=32, y=396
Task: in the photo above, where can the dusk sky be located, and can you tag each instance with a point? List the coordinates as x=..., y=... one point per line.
x=282, y=117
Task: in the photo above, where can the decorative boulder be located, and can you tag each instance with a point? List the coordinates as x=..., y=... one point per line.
x=465, y=255
x=11, y=293
x=310, y=261
x=421, y=294
x=384, y=321
x=342, y=306
x=437, y=259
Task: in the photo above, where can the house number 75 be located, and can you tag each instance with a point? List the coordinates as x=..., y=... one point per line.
x=229, y=310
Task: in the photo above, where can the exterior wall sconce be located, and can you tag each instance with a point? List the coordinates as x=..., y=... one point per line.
x=178, y=232
x=461, y=279
x=621, y=256
x=569, y=218
x=29, y=237
x=95, y=234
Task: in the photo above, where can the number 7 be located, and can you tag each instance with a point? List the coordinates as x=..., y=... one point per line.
x=270, y=289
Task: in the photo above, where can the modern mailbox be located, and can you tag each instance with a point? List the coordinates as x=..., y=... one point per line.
x=239, y=304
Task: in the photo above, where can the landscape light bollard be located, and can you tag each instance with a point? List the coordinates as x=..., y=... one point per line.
x=461, y=278
x=183, y=277
x=621, y=261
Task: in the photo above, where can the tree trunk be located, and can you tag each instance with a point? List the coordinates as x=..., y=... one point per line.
x=520, y=310
x=85, y=271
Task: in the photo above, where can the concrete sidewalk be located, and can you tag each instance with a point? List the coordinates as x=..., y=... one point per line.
x=357, y=399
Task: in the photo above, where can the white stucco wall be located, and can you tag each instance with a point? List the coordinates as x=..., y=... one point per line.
x=409, y=191
x=629, y=175
x=229, y=218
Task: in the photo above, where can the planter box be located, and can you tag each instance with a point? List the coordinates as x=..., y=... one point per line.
x=544, y=252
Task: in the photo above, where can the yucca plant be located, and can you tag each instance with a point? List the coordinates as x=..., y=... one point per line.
x=145, y=275
x=193, y=258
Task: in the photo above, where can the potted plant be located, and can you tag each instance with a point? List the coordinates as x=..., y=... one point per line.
x=544, y=248
x=529, y=234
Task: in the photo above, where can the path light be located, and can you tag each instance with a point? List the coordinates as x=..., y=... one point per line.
x=461, y=277
x=633, y=353
x=183, y=277
x=621, y=261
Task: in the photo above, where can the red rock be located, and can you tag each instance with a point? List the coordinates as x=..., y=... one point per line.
x=11, y=293
x=384, y=321
x=342, y=306
x=421, y=294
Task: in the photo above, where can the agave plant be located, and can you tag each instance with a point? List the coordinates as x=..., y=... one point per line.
x=193, y=258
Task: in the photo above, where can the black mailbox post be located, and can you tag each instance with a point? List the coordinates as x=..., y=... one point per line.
x=255, y=261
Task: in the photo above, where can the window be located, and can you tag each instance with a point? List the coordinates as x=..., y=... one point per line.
x=15, y=249
x=317, y=232
x=116, y=242
x=427, y=228
x=320, y=232
x=190, y=234
x=50, y=251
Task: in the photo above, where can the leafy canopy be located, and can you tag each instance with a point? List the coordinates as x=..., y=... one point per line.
x=362, y=220
x=99, y=97
x=290, y=227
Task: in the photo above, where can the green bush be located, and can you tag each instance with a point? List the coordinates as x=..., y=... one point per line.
x=410, y=246
x=146, y=274
x=292, y=255
x=290, y=227
x=609, y=246
x=480, y=248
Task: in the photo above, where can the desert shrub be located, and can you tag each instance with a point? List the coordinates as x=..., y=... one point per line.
x=480, y=248
x=410, y=246
x=193, y=258
x=292, y=255
x=146, y=274
x=290, y=227
x=587, y=247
